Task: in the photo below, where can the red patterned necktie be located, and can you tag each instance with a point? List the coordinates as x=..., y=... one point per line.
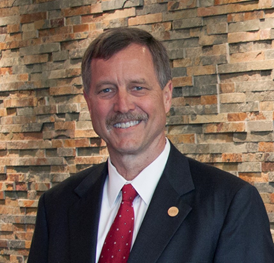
x=117, y=244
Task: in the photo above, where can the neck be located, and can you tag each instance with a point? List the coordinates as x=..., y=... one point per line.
x=130, y=165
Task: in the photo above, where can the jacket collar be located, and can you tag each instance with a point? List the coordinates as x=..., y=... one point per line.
x=159, y=226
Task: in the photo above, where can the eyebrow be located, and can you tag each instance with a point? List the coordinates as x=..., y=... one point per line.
x=138, y=81
x=132, y=81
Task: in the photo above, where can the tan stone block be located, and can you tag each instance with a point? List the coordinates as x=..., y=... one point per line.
x=182, y=4
x=209, y=100
x=253, y=177
x=89, y=133
x=179, y=101
x=80, y=28
x=201, y=70
x=243, y=37
x=244, y=67
x=248, y=56
x=124, y=13
x=269, y=208
x=182, y=81
x=249, y=167
x=34, y=59
x=82, y=10
x=182, y=138
x=224, y=127
x=96, y=8
x=232, y=97
x=232, y=157
x=266, y=146
x=260, y=126
x=227, y=87
x=214, y=138
x=271, y=196
x=208, y=118
x=27, y=18
x=242, y=116
x=267, y=167
x=267, y=106
x=186, y=62
x=13, y=28
x=191, y=101
x=225, y=9
x=90, y=160
x=68, y=125
x=238, y=17
x=145, y=19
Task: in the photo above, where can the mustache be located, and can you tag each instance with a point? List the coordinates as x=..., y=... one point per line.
x=125, y=117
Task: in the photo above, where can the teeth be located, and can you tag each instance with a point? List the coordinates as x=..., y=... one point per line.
x=125, y=125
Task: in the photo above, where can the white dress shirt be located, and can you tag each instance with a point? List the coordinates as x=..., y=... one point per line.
x=145, y=184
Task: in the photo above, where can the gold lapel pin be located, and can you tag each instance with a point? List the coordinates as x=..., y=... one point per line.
x=173, y=211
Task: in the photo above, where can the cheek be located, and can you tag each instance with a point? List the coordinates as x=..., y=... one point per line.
x=99, y=114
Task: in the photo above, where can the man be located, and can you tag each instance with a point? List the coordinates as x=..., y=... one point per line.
x=184, y=211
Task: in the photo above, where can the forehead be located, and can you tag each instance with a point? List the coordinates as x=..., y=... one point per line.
x=129, y=52
x=134, y=58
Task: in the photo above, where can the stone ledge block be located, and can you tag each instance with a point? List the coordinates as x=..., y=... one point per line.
x=212, y=148
x=145, y=19
x=182, y=81
x=27, y=203
x=246, y=26
x=249, y=167
x=205, y=119
x=260, y=126
x=188, y=23
x=225, y=127
x=247, y=66
x=60, y=55
x=225, y=9
x=199, y=90
x=118, y=4
x=251, y=106
x=75, y=3
x=173, y=16
x=215, y=29
x=232, y=98
x=181, y=5
x=40, y=49
x=182, y=113
x=41, y=7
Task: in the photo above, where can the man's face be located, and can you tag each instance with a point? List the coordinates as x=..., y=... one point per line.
x=126, y=103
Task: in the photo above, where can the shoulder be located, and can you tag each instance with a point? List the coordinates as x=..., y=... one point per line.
x=67, y=188
x=207, y=178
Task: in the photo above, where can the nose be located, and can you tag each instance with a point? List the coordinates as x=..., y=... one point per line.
x=123, y=102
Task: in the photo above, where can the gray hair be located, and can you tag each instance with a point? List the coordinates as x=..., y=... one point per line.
x=114, y=40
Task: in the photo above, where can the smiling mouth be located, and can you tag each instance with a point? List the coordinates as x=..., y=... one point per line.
x=125, y=125
x=125, y=120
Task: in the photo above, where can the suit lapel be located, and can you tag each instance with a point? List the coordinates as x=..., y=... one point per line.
x=158, y=226
x=84, y=217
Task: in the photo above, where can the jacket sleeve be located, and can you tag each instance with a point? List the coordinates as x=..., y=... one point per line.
x=245, y=236
x=39, y=245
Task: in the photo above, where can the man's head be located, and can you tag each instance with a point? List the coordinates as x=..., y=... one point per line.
x=114, y=40
x=126, y=100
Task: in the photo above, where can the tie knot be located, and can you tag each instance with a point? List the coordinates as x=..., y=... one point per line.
x=128, y=193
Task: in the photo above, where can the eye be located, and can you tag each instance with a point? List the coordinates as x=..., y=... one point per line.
x=106, y=90
x=138, y=88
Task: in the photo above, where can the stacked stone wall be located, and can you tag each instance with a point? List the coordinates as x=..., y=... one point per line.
x=222, y=58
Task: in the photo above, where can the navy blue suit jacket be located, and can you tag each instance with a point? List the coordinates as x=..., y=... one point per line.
x=221, y=219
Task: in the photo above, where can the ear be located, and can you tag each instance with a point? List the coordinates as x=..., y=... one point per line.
x=167, y=95
x=88, y=100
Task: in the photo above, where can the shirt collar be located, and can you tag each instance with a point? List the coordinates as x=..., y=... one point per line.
x=150, y=175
